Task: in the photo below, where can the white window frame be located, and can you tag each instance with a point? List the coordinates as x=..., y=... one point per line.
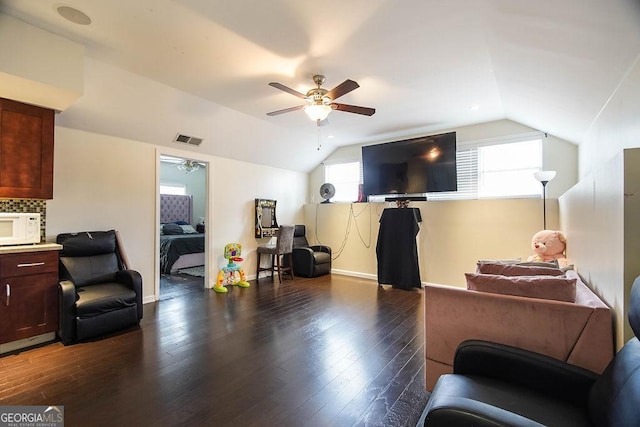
x=470, y=173
x=347, y=191
x=173, y=188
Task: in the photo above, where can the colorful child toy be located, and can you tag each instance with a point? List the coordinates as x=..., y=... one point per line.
x=232, y=274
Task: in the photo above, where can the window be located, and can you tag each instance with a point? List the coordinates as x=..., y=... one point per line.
x=345, y=177
x=173, y=189
x=497, y=169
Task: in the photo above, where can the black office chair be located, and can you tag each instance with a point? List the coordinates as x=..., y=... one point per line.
x=498, y=385
x=98, y=294
x=309, y=261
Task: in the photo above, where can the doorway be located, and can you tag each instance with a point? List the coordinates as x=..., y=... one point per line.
x=183, y=200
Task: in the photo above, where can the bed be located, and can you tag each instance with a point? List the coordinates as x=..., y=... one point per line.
x=178, y=251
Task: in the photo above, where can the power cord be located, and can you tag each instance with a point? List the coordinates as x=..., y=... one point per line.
x=352, y=218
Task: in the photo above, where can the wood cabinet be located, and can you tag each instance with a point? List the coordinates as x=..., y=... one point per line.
x=26, y=150
x=29, y=304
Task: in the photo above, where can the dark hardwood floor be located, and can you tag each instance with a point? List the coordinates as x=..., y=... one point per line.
x=329, y=351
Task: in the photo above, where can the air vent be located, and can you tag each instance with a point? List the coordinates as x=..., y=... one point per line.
x=186, y=139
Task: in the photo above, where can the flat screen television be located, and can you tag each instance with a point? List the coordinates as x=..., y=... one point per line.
x=414, y=166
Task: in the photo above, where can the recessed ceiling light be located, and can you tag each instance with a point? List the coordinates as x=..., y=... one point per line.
x=74, y=15
x=474, y=107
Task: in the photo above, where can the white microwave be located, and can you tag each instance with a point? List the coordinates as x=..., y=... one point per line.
x=19, y=228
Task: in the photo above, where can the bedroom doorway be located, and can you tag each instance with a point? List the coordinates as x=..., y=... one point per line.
x=182, y=194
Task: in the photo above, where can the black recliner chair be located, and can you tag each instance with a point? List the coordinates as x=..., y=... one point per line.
x=309, y=261
x=97, y=294
x=498, y=385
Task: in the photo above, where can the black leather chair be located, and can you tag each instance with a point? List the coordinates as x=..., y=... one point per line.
x=97, y=294
x=309, y=261
x=498, y=385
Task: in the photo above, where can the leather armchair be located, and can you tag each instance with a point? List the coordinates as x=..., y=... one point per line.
x=309, y=261
x=97, y=293
x=499, y=385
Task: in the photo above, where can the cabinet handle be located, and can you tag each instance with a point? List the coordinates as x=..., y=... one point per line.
x=31, y=264
x=8, y=293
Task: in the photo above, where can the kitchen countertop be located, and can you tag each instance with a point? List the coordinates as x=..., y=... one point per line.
x=36, y=247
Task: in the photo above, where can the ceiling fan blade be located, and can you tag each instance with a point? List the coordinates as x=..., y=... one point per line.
x=365, y=111
x=342, y=89
x=288, y=90
x=286, y=110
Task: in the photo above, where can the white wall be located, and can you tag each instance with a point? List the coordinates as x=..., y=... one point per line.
x=38, y=67
x=103, y=182
x=600, y=217
x=617, y=126
x=608, y=255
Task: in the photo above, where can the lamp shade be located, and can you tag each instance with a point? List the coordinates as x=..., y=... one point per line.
x=544, y=176
x=317, y=111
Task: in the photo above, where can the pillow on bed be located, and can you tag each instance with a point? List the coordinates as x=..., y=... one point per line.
x=516, y=269
x=543, y=287
x=172, y=229
x=181, y=222
x=187, y=229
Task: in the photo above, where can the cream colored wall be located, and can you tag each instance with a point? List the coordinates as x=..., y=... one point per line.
x=453, y=235
x=102, y=182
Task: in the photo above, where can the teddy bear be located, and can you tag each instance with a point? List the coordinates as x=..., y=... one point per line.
x=548, y=245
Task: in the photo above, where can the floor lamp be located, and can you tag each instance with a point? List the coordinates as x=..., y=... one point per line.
x=544, y=177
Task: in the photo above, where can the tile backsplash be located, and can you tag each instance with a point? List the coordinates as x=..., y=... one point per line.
x=28, y=205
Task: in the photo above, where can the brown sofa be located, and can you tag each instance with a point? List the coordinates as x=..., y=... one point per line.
x=579, y=332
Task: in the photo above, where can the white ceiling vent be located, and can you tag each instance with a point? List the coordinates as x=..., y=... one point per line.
x=186, y=139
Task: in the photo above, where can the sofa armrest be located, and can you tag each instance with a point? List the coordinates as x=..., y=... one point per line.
x=321, y=248
x=132, y=279
x=67, y=299
x=303, y=261
x=534, y=371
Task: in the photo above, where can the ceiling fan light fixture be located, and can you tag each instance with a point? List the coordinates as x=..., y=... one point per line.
x=317, y=112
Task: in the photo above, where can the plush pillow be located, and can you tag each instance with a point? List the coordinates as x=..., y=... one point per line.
x=188, y=229
x=501, y=261
x=543, y=287
x=172, y=229
x=516, y=269
x=551, y=264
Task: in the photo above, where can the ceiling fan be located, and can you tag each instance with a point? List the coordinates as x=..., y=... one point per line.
x=320, y=102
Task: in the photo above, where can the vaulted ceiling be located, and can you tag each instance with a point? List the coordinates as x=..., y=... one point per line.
x=424, y=65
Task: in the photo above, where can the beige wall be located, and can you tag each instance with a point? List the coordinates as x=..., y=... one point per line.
x=102, y=182
x=453, y=235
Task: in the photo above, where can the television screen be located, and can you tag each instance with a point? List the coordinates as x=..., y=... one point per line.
x=413, y=166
